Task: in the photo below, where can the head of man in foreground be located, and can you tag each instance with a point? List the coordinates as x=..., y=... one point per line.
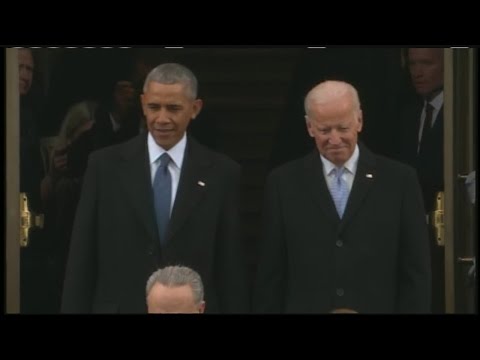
x=175, y=290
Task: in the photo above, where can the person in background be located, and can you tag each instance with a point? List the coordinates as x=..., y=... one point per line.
x=61, y=187
x=35, y=280
x=117, y=119
x=421, y=146
x=31, y=168
x=175, y=289
x=345, y=229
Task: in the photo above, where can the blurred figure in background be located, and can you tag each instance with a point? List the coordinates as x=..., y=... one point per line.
x=35, y=283
x=117, y=118
x=31, y=170
x=421, y=145
x=61, y=187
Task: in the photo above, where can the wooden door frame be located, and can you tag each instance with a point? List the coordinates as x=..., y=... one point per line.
x=12, y=183
x=459, y=153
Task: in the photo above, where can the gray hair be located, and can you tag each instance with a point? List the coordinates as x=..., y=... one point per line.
x=171, y=73
x=173, y=276
x=327, y=91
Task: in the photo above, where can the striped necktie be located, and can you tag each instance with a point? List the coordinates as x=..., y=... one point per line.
x=339, y=190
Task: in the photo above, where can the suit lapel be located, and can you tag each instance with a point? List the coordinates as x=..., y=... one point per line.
x=365, y=177
x=135, y=175
x=433, y=134
x=409, y=130
x=190, y=190
x=317, y=186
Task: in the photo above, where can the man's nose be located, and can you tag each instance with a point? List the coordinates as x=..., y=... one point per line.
x=417, y=75
x=334, y=138
x=417, y=71
x=162, y=116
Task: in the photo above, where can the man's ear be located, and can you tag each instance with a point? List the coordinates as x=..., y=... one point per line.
x=360, y=121
x=197, y=107
x=201, y=307
x=309, y=126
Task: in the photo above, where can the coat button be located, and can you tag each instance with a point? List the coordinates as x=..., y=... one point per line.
x=339, y=243
x=340, y=292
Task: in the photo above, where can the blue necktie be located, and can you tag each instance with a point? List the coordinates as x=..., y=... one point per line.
x=162, y=193
x=339, y=191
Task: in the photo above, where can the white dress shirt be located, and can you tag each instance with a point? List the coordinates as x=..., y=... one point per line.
x=437, y=103
x=174, y=167
x=349, y=173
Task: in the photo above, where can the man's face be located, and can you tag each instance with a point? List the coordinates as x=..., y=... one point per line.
x=124, y=95
x=335, y=127
x=25, y=70
x=168, y=109
x=172, y=300
x=426, y=70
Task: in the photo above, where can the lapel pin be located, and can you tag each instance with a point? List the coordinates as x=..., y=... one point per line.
x=369, y=176
x=201, y=183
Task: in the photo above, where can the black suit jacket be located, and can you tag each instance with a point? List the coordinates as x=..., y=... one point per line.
x=115, y=245
x=102, y=131
x=374, y=260
x=429, y=161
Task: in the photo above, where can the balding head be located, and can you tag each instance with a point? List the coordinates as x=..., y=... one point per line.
x=330, y=91
x=334, y=119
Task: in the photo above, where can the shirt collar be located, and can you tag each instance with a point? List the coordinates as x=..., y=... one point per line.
x=115, y=124
x=437, y=101
x=350, y=165
x=176, y=153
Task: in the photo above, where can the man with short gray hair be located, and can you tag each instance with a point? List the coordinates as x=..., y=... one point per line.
x=175, y=289
x=159, y=199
